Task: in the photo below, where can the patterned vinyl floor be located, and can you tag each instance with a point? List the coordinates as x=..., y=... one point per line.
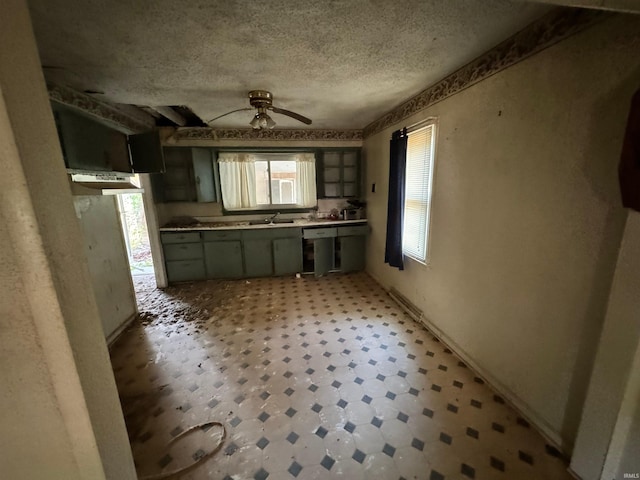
x=312, y=378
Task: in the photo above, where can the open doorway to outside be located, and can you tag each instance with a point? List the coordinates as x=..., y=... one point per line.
x=136, y=236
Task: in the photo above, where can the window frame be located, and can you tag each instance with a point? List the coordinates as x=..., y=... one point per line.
x=276, y=206
x=264, y=208
x=433, y=123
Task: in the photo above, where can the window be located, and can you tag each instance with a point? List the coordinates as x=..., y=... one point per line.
x=262, y=181
x=418, y=182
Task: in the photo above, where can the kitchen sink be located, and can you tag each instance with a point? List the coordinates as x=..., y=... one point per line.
x=268, y=222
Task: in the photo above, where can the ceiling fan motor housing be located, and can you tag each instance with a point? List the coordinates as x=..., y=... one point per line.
x=260, y=98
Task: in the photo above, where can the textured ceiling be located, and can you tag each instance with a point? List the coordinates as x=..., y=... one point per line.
x=343, y=63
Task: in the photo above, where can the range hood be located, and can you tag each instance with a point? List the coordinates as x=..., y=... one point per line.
x=104, y=183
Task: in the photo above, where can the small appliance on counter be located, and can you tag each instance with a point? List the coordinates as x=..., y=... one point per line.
x=355, y=210
x=351, y=214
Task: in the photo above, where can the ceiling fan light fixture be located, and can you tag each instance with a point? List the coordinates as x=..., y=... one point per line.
x=262, y=101
x=262, y=120
x=270, y=122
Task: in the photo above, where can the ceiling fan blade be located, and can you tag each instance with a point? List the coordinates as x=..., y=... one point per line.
x=229, y=113
x=288, y=113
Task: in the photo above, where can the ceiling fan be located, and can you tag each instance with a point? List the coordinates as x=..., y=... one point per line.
x=263, y=101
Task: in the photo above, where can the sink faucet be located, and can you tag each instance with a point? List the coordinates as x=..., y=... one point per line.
x=272, y=218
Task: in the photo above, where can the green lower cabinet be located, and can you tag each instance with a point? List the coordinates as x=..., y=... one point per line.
x=185, y=270
x=223, y=259
x=323, y=255
x=287, y=255
x=352, y=253
x=258, y=259
x=263, y=252
x=183, y=251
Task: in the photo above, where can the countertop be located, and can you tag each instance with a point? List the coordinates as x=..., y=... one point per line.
x=299, y=223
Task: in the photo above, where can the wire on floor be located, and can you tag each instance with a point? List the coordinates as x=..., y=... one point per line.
x=200, y=460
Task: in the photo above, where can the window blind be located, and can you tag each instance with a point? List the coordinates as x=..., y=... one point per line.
x=418, y=183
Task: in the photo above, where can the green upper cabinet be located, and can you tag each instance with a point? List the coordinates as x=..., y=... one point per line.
x=189, y=176
x=89, y=145
x=145, y=152
x=203, y=175
x=92, y=146
x=338, y=173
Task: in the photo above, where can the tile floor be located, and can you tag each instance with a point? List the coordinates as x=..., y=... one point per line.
x=313, y=378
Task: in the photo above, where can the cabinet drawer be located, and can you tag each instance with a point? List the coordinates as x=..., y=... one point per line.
x=353, y=230
x=221, y=235
x=271, y=233
x=183, y=251
x=182, y=237
x=287, y=233
x=184, y=270
x=319, y=232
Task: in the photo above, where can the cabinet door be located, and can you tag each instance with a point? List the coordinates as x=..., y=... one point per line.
x=89, y=145
x=352, y=253
x=323, y=255
x=258, y=260
x=203, y=173
x=339, y=173
x=177, y=182
x=182, y=251
x=350, y=174
x=332, y=174
x=223, y=259
x=287, y=255
x=185, y=270
x=146, y=152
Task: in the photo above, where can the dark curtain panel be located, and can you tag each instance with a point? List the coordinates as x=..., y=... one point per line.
x=629, y=170
x=395, y=207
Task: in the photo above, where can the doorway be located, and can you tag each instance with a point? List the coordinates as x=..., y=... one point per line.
x=136, y=235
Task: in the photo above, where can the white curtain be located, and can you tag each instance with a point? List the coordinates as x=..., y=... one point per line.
x=238, y=180
x=306, y=179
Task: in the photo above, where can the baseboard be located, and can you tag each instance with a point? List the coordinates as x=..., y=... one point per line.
x=574, y=474
x=111, y=339
x=516, y=403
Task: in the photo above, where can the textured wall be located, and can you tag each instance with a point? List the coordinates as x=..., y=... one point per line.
x=613, y=396
x=526, y=218
x=629, y=458
x=107, y=256
x=28, y=427
x=59, y=404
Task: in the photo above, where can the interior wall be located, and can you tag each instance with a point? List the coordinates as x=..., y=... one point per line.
x=629, y=462
x=108, y=264
x=58, y=396
x=526, y=218
x=213, y=211
x=29, y=426
x=170, y=210
x=612, y=405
